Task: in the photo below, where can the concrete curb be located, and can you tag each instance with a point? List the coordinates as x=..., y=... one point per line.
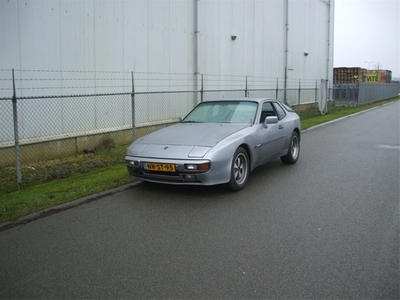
x=65, y=206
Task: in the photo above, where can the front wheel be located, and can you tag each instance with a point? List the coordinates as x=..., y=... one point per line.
x=294, y=150
x=239, y=170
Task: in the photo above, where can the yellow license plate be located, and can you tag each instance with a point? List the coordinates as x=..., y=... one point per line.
x=160, y=167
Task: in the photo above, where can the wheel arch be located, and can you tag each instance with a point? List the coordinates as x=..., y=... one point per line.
x=246, y=147
x=297, y=130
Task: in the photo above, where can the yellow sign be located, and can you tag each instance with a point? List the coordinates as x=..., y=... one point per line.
x=374, y=77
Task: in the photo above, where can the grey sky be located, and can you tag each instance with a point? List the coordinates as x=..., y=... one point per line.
x=367, y=33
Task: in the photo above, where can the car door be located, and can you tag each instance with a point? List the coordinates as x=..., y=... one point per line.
x=270, y=137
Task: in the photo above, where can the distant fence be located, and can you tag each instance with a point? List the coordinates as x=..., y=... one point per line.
x=36, y=124
x=363, y=93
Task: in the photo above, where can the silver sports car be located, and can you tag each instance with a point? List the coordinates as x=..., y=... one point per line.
x=218, y=142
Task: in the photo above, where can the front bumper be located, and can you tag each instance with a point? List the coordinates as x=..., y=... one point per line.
x=218, y=173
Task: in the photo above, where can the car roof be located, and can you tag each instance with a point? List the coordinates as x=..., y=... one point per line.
x=259, y=100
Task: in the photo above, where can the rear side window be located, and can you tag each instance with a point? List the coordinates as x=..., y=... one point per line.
x=279, y=110
x=288, y=108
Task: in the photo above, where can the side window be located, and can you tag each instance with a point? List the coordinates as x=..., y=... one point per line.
x=281, y=113
x=266, y=111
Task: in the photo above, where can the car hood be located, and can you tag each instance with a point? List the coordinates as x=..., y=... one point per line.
x=183, y=140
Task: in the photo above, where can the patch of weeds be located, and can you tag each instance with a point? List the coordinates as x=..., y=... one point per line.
x=43, y=171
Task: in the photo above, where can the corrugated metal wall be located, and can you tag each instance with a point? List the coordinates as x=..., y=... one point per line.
x=259, y=48
x=259, y=30
x=69, y=39
x=158, y=36
x=138, y=36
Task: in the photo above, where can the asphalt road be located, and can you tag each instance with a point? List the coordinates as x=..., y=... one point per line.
x=327, y=227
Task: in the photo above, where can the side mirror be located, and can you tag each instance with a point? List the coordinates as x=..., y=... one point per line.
x=270, y=120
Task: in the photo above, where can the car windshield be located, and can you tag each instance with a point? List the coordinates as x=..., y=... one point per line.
x=223, y=112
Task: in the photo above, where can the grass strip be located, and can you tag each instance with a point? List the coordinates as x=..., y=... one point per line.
x=49, y=194
x=339, y=112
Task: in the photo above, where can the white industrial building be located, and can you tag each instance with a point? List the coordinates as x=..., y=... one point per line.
x=269, y=38
x=90, y=47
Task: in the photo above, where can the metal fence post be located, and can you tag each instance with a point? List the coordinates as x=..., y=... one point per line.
x=358, y=94
x=202, y=88
x=352, y=95
x=330, y=93
x=133, y=108
x=316, y=97
x=299, y=94
x=16, y=137
x=327, y=97
x=246, y=92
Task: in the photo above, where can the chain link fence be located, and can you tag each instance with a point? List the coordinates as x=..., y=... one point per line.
x=52, y=115
x=352, y=95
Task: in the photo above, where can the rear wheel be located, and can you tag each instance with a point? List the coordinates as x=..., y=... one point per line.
x=239, y=170
x=294, y=150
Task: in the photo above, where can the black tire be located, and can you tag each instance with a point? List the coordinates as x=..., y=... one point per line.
x=240, y=170
x=294, y=150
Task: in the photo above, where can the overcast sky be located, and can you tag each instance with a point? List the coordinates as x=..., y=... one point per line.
x=367, y=33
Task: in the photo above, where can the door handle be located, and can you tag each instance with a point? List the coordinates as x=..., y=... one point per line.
x=280, y=127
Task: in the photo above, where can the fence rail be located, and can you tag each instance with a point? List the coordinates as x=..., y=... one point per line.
x=37, y=124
